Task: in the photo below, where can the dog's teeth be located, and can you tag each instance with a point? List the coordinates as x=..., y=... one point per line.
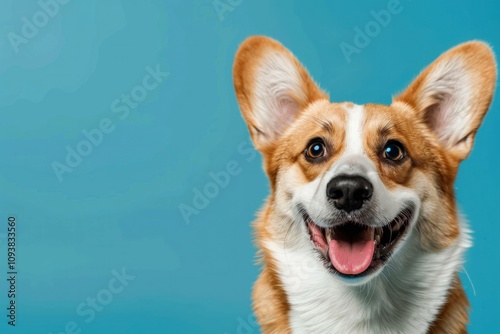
x=397, y=226
x=377, y=239
x=328, y=234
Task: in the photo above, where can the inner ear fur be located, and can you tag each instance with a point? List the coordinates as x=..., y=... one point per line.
x=453, y=94
x=272, y=89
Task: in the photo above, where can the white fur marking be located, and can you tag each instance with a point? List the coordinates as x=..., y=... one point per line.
x=354, y=130
x=404, y=298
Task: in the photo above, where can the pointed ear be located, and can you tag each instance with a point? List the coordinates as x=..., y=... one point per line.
x=272, y=88
x=453, y=94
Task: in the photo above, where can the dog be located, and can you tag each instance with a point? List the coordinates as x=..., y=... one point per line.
x=361, y=231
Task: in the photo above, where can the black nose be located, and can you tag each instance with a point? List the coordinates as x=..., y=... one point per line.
x=349, y=192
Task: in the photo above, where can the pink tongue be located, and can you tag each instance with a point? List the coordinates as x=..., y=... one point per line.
x=351, y=258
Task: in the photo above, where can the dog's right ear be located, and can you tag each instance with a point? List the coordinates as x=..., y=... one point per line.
x=272, y=88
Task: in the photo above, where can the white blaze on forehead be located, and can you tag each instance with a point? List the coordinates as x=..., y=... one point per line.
x=353, y=160
x=354, y=130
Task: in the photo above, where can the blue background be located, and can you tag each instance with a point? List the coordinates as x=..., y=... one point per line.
x=119, y=208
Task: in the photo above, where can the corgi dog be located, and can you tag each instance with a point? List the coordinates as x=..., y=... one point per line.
x=361, y=231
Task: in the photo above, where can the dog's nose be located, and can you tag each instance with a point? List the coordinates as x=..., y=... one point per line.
x=348, y=193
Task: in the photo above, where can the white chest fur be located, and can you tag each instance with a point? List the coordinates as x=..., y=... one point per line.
x=404, y=298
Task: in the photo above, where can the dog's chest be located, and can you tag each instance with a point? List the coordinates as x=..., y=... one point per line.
x=403, y=299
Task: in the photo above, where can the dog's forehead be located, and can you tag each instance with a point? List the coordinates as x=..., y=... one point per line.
x=351, y=119
x=324, y=111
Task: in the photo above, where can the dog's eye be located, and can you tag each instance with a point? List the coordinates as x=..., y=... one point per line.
x=315, y=150
x=394, y=151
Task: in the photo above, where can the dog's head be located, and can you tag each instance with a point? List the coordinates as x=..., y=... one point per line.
x=352, y=182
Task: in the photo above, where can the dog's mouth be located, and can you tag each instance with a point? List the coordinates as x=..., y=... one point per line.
x=354, y=249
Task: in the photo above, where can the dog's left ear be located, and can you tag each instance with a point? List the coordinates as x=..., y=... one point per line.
x=453, y=94
x=272, y=88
